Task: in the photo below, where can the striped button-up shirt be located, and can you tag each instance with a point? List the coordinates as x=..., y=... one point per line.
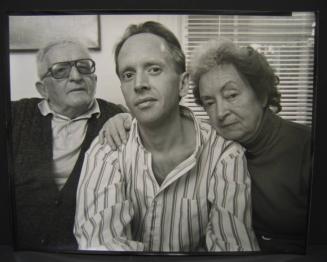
x=204, y=204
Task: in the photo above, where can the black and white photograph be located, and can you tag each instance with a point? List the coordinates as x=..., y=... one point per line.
x=162, y=133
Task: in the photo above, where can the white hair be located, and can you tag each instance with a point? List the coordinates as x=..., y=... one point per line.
x=42, y=53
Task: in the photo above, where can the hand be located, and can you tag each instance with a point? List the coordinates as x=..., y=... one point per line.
x=115, y=130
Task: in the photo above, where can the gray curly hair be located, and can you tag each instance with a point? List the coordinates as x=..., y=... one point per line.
x=250, y=63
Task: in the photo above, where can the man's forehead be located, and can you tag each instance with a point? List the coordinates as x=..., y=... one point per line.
x=66, y=52
x=145, y=47
x=145, y=40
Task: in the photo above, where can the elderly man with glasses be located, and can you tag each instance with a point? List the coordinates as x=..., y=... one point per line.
x=50, y=137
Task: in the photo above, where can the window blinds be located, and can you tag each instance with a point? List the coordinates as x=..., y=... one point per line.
x=286, y=41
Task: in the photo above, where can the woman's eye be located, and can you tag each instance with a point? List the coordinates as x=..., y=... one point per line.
x=231, y=95
x=208, y=103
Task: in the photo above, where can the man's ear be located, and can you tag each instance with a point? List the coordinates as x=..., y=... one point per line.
x=184, y=84
x=43, y=91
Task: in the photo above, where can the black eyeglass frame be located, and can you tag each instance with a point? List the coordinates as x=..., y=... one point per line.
x=71, y=63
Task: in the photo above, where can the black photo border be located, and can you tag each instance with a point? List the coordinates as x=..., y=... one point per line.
x=317, y=230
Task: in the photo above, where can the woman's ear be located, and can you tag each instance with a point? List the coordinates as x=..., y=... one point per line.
x=43, y=91
x=184, y=84
x=264, y=102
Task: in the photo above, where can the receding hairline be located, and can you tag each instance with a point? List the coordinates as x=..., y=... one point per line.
x=164, y=42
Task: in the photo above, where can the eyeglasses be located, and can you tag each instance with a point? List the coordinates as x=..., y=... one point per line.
x=62, y=69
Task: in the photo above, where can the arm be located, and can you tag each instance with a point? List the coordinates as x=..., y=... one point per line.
x=115, y=131
x=230, y=218
x=103, y=214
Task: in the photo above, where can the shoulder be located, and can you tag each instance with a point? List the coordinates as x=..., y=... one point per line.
x=294, y=131
x=25, y=109
x=218, y=145
x=98, y=150
x=26, y=102
x=100, y=167
x=108, y=107
x=226, y=158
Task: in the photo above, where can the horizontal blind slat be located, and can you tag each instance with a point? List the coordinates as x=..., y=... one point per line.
x=286, y=41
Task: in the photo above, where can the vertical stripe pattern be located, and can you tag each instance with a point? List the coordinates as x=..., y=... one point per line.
x=203, y=204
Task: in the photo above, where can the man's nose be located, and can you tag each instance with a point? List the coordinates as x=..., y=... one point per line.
x=141, y=82
x=74, y=74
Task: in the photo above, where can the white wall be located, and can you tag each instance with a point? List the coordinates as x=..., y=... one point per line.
x=23, y=65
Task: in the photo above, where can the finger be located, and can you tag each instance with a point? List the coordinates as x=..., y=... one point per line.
x=116, y=139
x=113, y=132
x=102, y=136
x=111, y=143
x=127, y=124
x=127, y=121
x=127, y=136
x=121, y=131
x=111, y=137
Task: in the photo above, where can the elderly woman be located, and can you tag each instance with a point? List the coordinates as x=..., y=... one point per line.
x=238, y=89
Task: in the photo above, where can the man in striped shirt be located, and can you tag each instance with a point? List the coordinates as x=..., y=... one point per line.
x=175, y=186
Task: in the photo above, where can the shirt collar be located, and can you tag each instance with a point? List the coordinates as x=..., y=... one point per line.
x=185, y=111
x=45, y=110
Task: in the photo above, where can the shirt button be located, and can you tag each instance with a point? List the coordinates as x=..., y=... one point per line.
x=43, y=241
x=57, y=202
x=266, y=238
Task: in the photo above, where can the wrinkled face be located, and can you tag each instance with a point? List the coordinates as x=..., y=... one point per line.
x=149, y=81
x=233, y=108
x=73, y=95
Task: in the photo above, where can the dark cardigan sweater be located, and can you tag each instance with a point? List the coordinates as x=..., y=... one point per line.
x=279, y=164
x=45, y=215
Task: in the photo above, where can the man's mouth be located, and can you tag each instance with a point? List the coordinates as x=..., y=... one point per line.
x=77, y=89
x=144, y=102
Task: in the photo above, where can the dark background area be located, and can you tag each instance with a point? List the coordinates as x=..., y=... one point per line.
x=317, y=240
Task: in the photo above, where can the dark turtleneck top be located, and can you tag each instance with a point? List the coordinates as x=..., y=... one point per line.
x=279, y=162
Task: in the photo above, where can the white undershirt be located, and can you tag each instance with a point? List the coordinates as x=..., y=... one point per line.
x=67, y=136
